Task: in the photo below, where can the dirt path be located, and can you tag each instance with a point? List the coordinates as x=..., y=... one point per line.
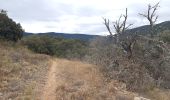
x=49, y=89
x=68, y=77
x=74, y=80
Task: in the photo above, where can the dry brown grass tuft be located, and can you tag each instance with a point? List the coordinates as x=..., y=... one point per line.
x=21, y=72
x=22, y=76
x=158, y=94
x=81, y=81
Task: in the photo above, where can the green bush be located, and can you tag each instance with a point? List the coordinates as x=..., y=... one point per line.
x=9, y=30
x=165, y=36
x=60, y=47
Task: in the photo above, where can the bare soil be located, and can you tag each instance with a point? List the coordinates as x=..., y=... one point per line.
x=74, y=80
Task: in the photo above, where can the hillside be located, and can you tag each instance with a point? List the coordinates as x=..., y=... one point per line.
x=144, y=30
x=22, y=73
x=84, y=37
x=27, y=76
x=74, y=80
x=63, y=66
x=56, y=46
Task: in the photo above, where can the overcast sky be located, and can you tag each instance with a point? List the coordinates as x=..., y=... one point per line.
x=78, y=16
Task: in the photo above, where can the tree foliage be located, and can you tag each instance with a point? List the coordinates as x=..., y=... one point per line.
x=9, y=29
x=60, y=47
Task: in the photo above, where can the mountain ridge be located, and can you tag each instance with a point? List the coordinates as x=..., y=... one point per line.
x=144, y=30
x=141, y=30
x=84, y=37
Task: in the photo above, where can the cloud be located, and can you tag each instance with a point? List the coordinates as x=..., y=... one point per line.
x=77, y=16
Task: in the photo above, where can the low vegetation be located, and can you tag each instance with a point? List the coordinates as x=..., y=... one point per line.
x=21, y=72
x=59, y=47
x=82, y=81
x=121, y=62
x=139, y=61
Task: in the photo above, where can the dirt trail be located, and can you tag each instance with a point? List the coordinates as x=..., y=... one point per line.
x=74, y=80
x=67, y=77
x=49, y=89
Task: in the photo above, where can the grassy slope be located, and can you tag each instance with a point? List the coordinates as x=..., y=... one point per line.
x=22, y=77
x=82, y=81
x=21, y=72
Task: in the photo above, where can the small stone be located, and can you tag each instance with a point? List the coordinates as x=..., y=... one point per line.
x=1, y=94
x=140, y=98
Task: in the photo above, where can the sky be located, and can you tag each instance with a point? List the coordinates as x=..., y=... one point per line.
x=78, y=16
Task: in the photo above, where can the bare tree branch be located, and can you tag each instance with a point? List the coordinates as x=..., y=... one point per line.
x=120, y=27
x=107, y=24
x=151, y=15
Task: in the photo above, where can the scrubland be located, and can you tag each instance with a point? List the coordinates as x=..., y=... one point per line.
x=25, y=75
x=21, y=72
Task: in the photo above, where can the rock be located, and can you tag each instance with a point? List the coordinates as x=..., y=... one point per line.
x=140, y=98
x=1, y=94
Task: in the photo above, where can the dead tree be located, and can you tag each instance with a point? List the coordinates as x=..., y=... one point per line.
x=151, y=17
x=107, y=24
x=120, y=27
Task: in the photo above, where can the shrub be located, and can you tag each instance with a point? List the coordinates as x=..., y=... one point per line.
x=148, y=66
x=60, y=47
x=165, y=36
x=9, y=30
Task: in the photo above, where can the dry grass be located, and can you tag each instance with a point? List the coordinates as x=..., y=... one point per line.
x=22, y=76
x=81, y=81
x=158, y=94
x=21, y=72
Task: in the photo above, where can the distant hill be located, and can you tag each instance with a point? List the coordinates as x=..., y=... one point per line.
x=144, y=30
x=84, y=37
